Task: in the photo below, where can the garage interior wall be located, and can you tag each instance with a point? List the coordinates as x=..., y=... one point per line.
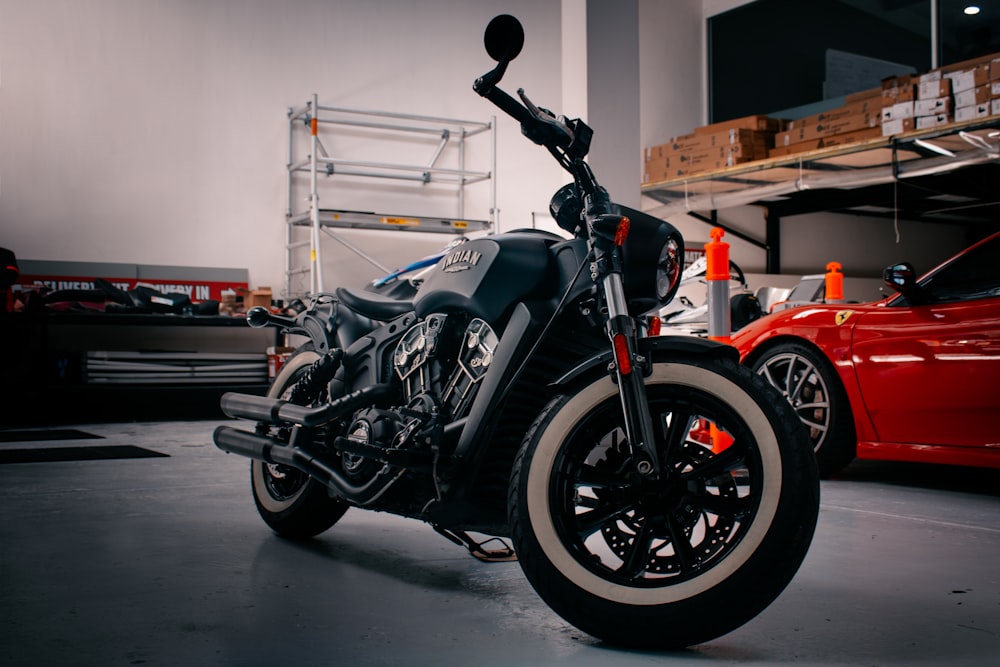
x=155, y=132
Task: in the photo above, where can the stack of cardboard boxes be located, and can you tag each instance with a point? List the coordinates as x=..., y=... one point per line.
x=955, y=93
x=995, y=86
x=859, y=119
x=711, y=147
x=970, y=86
x=952, y=94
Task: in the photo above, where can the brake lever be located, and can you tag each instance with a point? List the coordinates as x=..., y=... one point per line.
x=547, y=117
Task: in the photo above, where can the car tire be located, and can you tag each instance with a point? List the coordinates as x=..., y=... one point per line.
x=807, y=379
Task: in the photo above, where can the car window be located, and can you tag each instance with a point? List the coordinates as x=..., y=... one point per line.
x=809, y=288
x=975, y=275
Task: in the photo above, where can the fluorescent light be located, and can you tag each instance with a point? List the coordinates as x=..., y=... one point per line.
x=971, y=10
x=933, y=147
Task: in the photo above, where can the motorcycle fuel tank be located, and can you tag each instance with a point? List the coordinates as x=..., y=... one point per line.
x=485, y=276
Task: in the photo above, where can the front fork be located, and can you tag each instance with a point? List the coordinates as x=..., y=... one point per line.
x=629, y=367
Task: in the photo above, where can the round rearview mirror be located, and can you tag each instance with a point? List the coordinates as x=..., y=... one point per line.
x=504, y=38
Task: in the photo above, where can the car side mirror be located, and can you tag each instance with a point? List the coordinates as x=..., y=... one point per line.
x=903, y=279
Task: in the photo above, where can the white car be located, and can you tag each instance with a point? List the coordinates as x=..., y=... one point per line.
x=688, y=312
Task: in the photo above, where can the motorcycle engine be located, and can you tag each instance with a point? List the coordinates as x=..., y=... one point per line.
x=417, y=361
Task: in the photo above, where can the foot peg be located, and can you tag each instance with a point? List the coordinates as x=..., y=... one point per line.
x=503, y=554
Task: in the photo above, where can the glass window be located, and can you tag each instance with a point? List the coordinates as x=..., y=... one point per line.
x=786, y=57
x=975, y=275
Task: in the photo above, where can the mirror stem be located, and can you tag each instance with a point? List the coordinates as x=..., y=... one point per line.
x=485, y=84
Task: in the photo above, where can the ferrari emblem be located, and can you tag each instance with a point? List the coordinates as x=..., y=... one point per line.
x=842, y=316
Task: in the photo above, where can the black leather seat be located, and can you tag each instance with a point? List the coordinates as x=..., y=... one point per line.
x=373, y=306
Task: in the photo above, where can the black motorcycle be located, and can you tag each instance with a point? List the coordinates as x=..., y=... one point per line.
x=657, y=493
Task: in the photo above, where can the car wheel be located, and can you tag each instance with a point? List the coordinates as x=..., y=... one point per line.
x=809, y=382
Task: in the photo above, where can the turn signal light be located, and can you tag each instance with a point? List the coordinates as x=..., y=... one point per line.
x=621, y=233
x=621, y=354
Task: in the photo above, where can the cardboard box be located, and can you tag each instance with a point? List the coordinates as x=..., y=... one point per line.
x=676, y=165
x=897, y=111
x=933, y=75
x=995, y=88
x=897, y=126
x=827, y=124
x=761, y=123
x=800, y=147
x=858, y=107
x=660, y=168
x=995, y=69
x=700, y=141
x=971, y=112
x=925, y=122
x=969, y=78
x=972, y=96
x=933, y=107
x=694, y=152
x=840, y=139
x=968, y=64
x=929, y=90
x=995, y=107
x=898, y=89
x=852, y=137
x=257, y=297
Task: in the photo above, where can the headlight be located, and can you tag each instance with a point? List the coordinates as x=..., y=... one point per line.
x=654, y=261
x=669, y=268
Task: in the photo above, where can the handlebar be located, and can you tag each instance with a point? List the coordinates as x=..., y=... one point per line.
x=505, y=102
x=539, y=125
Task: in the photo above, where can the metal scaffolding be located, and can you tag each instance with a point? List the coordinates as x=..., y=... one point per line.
x=309, y=124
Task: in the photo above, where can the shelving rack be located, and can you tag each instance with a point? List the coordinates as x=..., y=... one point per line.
x=308, y=125
x=945, y=174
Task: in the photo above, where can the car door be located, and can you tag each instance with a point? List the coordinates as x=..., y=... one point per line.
x=929, y=372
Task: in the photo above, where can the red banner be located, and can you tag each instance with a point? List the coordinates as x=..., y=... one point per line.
x=197, y=290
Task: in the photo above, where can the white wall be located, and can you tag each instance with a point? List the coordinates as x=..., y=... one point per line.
x=671, y=63
x=155, y=132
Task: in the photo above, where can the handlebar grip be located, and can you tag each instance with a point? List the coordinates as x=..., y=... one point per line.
x=542, y=131
x=509, y=105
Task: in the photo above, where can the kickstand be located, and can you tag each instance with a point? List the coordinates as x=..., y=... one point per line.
x=503, y=554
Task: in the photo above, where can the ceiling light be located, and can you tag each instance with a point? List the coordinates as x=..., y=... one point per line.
x=971, y=10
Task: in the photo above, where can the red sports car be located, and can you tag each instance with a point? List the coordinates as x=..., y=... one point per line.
x=914, y=377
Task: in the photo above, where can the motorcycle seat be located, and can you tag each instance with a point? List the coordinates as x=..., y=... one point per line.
x=373, y=306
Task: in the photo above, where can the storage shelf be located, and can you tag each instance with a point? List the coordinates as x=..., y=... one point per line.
x=879, y=161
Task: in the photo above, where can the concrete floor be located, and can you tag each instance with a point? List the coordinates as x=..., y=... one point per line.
x=163, y=561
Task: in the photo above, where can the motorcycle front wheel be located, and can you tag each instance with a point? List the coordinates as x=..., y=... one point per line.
x=290, y=502
x=677, y=560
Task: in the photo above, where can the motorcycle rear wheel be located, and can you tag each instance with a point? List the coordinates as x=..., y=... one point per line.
x=687, y=558
x=290, y=502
